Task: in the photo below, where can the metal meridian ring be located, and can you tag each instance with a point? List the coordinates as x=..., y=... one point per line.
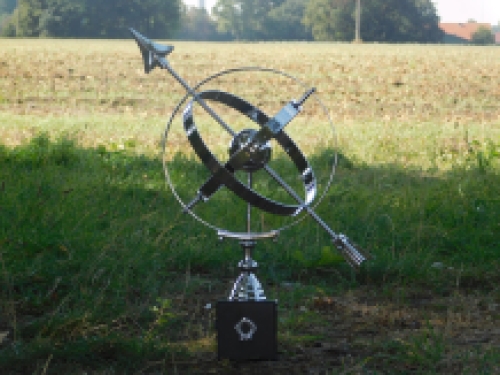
x=272, y=233
x=227, y=174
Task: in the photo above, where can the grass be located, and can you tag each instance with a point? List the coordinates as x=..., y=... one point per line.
x=101, y=272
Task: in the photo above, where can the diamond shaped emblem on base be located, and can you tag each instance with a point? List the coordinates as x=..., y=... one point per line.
x=246, y=329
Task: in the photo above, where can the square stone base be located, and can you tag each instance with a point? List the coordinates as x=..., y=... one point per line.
x=247, y=330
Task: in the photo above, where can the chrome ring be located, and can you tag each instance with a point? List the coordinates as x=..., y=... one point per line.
x=177, y=111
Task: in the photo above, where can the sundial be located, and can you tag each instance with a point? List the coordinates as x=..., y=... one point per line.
x=246, y=321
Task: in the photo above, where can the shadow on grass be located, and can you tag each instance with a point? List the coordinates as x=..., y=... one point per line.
x=95, y=251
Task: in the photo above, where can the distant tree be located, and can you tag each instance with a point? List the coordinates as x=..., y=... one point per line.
x=4, y=20
x=96, y=18
x=7, y=6
x=8, y=24
x=330, y=19
x=62, y=18
x=255, y=17
x=196, y=24
x=381, y=20
x=6, y=9
x=154, y=18
x=28, y=17
x=285, y=21
x=483, y=36
x=245, y=19
x=227, y=14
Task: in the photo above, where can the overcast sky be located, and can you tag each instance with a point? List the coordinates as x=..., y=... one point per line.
x=487, y=11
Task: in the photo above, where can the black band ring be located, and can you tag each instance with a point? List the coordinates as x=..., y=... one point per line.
x=225, y=175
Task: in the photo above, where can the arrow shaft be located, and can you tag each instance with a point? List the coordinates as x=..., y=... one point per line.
x=350, y=252
x=165, y=65
x=299, y=200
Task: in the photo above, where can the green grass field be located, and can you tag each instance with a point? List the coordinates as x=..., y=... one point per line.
x=101, y=272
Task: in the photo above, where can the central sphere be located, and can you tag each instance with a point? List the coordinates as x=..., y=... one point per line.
x=259, y=156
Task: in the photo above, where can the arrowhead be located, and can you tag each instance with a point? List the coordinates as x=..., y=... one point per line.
x=150, y=50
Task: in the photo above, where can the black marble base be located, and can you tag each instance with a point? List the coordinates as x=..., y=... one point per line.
x=247, y=330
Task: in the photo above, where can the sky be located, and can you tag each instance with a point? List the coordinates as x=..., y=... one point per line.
x=487, y=11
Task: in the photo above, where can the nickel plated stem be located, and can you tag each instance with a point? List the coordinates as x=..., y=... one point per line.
x=248, y=245
x=247, y=287
x=249, y=206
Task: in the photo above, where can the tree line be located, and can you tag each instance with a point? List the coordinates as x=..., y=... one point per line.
x=90, y=18
x=333, y=20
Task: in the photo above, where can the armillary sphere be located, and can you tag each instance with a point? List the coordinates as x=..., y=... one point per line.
x=250, y=150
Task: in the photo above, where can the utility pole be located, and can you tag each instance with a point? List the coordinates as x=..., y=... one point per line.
x=358, y=22
x=17, y=19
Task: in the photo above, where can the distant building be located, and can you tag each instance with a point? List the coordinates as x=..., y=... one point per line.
x=201, y=4
x=497, y=37
x=460, y=33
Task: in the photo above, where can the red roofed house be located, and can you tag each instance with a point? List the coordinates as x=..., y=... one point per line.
x=460, y=33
